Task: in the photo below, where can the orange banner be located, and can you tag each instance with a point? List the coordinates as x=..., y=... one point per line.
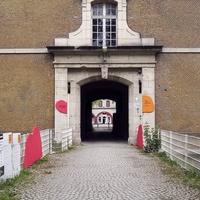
x=147, y=104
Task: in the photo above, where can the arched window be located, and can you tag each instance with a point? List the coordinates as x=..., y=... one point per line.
x=104, y=21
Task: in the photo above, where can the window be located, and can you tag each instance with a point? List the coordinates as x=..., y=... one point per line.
x=107, y=103
x=100, y=103
x=104, y=24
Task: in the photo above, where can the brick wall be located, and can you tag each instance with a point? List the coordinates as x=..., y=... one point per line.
x=26, y=92
x=177, y=92
x=173, y=23
x=36, y=23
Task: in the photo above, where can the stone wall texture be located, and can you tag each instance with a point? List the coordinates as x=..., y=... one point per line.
x=27, y=81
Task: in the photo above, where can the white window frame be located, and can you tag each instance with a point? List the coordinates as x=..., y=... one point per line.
x=83, y=36
x=104, y=17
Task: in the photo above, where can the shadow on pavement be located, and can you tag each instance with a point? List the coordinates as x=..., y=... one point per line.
x=103, y=136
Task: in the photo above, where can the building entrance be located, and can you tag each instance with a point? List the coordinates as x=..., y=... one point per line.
x=105, y=89
x=104, y=60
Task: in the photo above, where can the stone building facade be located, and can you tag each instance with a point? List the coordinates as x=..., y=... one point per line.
x=102, y=113
x=46, y=48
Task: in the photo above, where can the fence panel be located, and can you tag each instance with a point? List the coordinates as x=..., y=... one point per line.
x=9, y=155
x=184, y=149
x=16, y=137
x=66, y=138
x=7, y=140
x=22, y=147
x=13, y=146
x=46, y=138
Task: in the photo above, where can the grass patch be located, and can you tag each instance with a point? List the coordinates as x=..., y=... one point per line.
x=166, y=159
x=56, y=146
x=41, y=161
x=189, y=178
x=178, y=174
x=47, y=172
x=8, y=188
x=66, y=150
x=7, y=191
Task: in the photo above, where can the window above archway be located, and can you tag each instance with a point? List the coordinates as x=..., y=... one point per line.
x=104, y=24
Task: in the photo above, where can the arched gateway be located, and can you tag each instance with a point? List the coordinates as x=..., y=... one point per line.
x=105, y=59
x=105, y=89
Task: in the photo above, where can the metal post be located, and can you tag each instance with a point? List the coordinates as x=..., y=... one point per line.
x=186, y=151
x=170, y=146
x=68, y=104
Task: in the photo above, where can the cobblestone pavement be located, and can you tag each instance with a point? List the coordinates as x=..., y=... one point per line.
x=104, y=171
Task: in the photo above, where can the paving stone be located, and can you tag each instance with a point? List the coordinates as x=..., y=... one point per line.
x=107, y=171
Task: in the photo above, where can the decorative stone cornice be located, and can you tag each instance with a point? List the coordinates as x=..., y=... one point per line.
x=112, y=57
x=135, y=49
x=127, y=50
x=24, y=51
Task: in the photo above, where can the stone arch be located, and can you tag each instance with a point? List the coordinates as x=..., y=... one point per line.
x=99, y=77
x=107, y=113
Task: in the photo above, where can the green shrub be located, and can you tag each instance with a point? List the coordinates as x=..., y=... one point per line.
x=152, y=138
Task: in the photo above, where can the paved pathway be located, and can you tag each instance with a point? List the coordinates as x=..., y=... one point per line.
x=104, y=171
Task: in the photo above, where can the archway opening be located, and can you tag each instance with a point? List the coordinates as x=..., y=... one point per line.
x=103, y=111
x=108, y=91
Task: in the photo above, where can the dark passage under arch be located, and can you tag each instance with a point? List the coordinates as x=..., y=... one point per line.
x=105, y=89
